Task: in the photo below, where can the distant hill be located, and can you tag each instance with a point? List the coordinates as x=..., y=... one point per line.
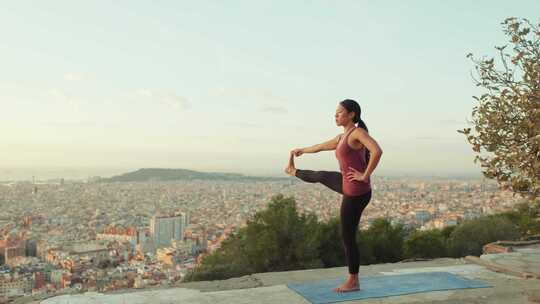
x=159, y=174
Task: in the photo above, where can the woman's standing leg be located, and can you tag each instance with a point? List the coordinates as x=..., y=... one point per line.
x=350, y=214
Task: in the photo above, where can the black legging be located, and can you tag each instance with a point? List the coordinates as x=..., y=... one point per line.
x=350, y=213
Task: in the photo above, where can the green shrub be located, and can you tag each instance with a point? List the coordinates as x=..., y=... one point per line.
x=382, y=242
x=425, y=244
x=469, y=237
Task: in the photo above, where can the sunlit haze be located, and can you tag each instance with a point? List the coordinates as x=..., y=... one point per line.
x=104, y=87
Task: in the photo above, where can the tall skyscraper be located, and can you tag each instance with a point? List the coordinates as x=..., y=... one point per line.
x=167, y=228
x=185, y=216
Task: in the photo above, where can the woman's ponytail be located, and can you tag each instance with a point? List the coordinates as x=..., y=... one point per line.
x=353, y=106
x=362, y=124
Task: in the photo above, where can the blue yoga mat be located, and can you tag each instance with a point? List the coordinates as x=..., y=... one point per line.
x=320, y=292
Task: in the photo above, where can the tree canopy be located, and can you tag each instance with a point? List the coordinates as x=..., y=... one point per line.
x=506, y=120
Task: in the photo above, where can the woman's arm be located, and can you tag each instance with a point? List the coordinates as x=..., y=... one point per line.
x=375, y=150
x=325, y=146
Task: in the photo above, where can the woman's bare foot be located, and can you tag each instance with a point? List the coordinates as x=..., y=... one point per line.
x=350, y=285
x=290, y=169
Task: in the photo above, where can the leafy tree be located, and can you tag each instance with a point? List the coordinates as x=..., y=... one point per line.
x=366, y=243
x=447, y=231
x=525, y=217
x=507, y=119
x=275, y=239
x=469, y=237
x=383, y=240
x=224, y=263
x=425, y=244
x=279, y=239
x=331, y=251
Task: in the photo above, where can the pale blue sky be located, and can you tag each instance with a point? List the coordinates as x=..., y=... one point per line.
x=233, y=86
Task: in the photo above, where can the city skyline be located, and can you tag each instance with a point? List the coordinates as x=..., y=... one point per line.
x=106, y=88
x=56, y=175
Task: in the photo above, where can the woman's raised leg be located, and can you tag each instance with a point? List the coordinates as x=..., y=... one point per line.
x=330, y=179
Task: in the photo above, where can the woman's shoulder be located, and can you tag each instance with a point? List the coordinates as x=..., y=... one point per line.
x=358, y=131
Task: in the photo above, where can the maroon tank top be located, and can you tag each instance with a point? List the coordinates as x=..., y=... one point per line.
x=349, y=157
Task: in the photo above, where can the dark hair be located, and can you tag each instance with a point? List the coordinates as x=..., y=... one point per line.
x=353, y=106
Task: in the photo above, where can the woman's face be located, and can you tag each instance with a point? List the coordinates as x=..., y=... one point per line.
x=342, y=116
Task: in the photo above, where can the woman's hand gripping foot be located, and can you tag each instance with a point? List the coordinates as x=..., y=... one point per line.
x=290, y=169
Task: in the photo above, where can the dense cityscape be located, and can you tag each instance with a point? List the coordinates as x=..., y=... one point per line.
x=73, y=236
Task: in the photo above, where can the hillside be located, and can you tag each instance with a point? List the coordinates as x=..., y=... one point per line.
x=163, y=174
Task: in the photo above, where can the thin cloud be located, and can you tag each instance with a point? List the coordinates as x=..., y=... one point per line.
x=70, y=124
x=62, y=96
x=435, y=138
x=427, y=138
x=243, y=124
x=144, y=93
x=453, y=122
x=72, y=76
x=176, y=101
x=274, y=110
x=267, y=101
x=169, y=98
x=57, y=93
x=261, y=96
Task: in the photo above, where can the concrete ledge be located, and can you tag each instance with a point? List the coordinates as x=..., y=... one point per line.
x=270, y=288
x=501, y=268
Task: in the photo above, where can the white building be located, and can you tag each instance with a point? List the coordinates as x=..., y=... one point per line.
x=166, y=228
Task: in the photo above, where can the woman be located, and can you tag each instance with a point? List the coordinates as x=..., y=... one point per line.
x=358, y=155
